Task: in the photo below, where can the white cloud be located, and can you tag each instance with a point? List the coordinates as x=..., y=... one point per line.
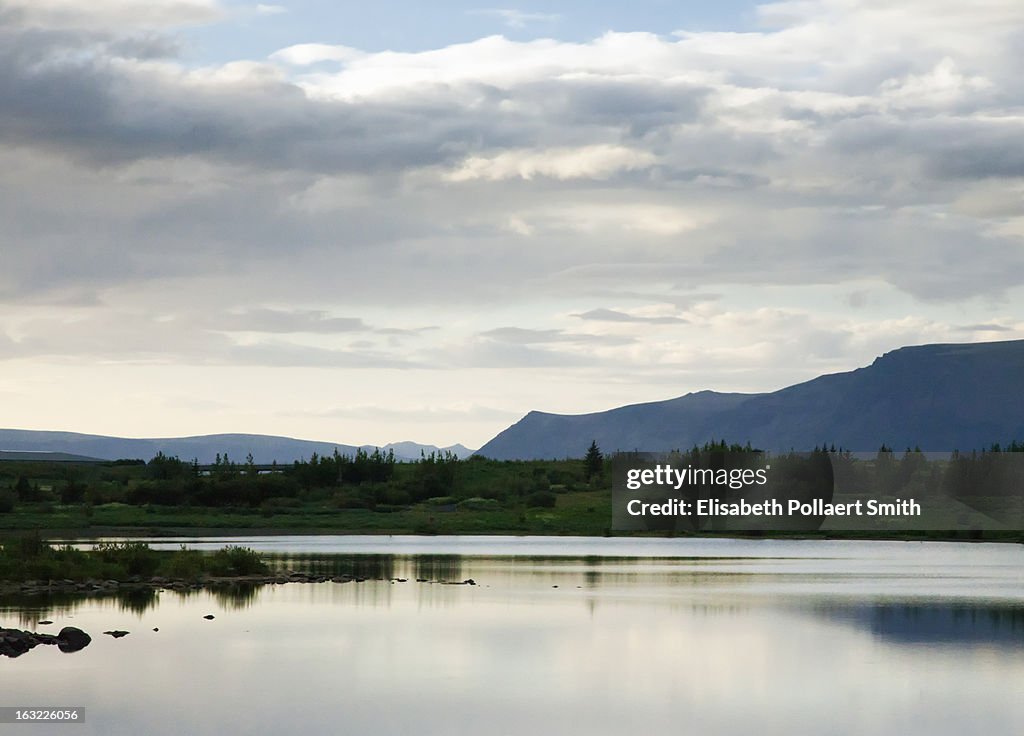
x=262, y=9
x=587, y=162
x=306, y=54
x=558, y=207
x=517, y=18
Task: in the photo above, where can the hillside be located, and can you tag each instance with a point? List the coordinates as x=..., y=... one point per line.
x=937, y=397
x=264, y=448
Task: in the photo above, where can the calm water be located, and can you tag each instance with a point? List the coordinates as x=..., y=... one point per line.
x=639, y=636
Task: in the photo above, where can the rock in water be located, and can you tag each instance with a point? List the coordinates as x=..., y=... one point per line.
x=116, y=634
x=71, y=639
x=208, y=617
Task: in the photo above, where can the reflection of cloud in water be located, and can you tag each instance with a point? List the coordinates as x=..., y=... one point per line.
x=936, y=623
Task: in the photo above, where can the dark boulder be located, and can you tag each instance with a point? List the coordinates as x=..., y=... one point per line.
x=71, y=639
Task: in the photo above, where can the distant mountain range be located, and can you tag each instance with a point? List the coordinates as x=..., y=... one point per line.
x=264, y=448
x=937, y=397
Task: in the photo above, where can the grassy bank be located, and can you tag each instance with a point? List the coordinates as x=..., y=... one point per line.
x=374, y=494
x=29, y=557
x=584, y=513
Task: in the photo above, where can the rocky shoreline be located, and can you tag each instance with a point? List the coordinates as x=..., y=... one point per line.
x=31, y=587
x=15, y=642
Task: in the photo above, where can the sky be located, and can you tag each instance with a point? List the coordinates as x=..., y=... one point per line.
x=367, y=223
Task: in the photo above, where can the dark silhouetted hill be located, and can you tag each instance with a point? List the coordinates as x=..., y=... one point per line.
x=937, y=397
x=264, y=448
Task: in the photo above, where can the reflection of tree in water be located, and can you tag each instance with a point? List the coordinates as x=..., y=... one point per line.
x=371, y=567
x=446, y=568
x=138, y=601
x=592, y=575
x=31, y=608
x=230, y=596
x=236, y=596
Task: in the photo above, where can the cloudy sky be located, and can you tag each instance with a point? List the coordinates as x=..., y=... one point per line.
x=367, y=223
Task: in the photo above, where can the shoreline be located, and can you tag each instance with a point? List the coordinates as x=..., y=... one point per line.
x=157, y=582
x=119, y=532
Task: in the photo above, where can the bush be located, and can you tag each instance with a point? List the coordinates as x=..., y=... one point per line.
x=542, y=499
x=442, y=501
x=28, y=546
x=480, y=504
x=237, y=561
x=347, y=500
x=7, y=499
x=136, y=558
x=186, y=563
x=281, y=503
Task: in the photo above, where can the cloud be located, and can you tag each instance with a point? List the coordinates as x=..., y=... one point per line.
x=112, y=15
x=286, y=321
x=307, y=54
x=612, y=315
x=315, y=207
x=518, y=19
x=263, y=337
x=984, y=328
x=262, y=9
x=524, y=336
x=589, y=162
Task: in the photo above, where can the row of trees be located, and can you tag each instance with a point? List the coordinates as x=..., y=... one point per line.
x=373, y=480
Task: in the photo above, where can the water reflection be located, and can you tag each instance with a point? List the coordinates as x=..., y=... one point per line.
x=370, y=567
x=936, y=623
x=906, y=642
x=229, y=596
x=694, y=585
x=31, y=608
x=438, y=567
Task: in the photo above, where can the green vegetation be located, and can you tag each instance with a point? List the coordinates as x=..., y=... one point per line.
x=28, y=557
x=372, y=493
x=367, y=493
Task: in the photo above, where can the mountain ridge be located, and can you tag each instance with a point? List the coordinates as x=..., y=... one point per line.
x=939, y=397
x=264, y=448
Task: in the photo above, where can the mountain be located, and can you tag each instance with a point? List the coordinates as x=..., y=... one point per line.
x=264, y=448
x=937, y=397
x=411, y=450
x=46, y=457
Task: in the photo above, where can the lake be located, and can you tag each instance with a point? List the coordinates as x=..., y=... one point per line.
x=557, y=636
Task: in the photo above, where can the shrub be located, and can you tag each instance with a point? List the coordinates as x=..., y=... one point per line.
x=237, y=561
x=28, y=546
x=280, y=503
x=480, y=504
x=441, y=501
x=7, y=499
x=135, y=557
x=542, y=499
x=185, y=563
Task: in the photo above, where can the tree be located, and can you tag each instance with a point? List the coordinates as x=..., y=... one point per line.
x=594, y=460
x=24, y=489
